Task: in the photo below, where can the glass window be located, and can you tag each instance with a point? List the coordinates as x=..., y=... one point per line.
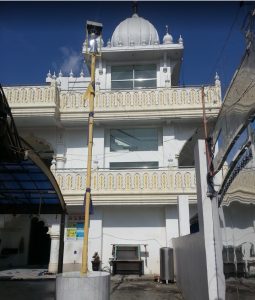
x=122, y=72
x=134, y=165
x=133, y=77
x=145, y=71
x=122, y=85
x=134, y=139
x=145, y=84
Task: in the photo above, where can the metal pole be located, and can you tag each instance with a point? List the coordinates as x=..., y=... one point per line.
x=61, y=242
x=208, y=156
x=84, y=268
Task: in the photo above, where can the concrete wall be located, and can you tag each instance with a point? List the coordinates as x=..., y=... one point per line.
x=198, y=257
x=150, y=226
x=71, y=145
x=135, y=225
x=190, y=266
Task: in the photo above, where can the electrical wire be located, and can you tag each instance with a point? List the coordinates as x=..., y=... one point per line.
x=225, y=43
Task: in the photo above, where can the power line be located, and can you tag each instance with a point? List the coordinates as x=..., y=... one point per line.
x=225, y=43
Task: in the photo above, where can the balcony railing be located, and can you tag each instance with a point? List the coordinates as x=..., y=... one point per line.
x=135, y=181
x=32, y=96
x=135, y=100
x=70, y=106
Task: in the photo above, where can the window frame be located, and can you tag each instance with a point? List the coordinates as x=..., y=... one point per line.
x=157, y=129
x=135, y=80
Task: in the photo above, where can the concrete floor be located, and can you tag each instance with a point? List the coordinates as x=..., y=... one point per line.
x=139, y=290
x=240, y=289
x=120, y=290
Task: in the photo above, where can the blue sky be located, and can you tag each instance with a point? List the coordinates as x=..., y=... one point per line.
x=38, y=36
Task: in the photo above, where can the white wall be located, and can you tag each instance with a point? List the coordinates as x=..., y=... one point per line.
x=71, y=145
x=135, y=225
x=190, y=266
x=198, y=257
x=172, y=230
x=126, y=225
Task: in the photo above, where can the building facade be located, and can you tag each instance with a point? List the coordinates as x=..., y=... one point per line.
x=144, y=134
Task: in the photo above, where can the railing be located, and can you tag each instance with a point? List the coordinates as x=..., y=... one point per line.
x=23, y=96
x=128, y=181
x=165, y=102
x=135, y=100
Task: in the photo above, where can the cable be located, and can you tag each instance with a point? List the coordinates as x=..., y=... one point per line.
x=225, y=43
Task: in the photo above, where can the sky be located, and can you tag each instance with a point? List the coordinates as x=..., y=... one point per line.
x=38, y=36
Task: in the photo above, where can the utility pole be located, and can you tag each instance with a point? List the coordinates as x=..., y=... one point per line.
x=93, y=30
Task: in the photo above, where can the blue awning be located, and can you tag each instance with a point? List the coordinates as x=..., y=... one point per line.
x=29, y=186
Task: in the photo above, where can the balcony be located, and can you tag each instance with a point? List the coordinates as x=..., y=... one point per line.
x=46, y=105
x=146, y=186
x=153, y=104
x=34, y=104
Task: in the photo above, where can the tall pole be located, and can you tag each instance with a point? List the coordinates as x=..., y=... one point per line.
x=84, y=268
x=205, y=127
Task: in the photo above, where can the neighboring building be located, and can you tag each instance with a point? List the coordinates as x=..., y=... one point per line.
x=142, y=163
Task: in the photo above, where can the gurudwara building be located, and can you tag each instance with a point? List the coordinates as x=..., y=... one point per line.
x=143, y=171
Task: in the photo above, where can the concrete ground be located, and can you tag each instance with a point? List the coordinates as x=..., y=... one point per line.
x=240, y=289
x=36, y=284
x=45, y=290
x=126, y=289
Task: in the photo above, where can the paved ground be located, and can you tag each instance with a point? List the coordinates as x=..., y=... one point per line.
x=45, y=290
x=240, y=289
x=143, y=290
x=35, y=284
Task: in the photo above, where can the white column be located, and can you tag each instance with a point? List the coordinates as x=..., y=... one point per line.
x=54, y=232
x=183, y=210
x=171, y=216
x=208, y=217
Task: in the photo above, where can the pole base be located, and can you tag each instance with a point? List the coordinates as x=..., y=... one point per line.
x=77, y=286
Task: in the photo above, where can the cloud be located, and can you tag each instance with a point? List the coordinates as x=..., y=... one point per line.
x=72, y=60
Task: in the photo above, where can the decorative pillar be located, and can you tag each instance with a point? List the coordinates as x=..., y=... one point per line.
x=60, y=151
x=183, y=211
x=54, y=233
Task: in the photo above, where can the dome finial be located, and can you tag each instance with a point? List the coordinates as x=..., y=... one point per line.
x=134, y=7
x=167, y=39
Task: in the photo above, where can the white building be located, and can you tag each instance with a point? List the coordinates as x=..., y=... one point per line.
x=142, y=164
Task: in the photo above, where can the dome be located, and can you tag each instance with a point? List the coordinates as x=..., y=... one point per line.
x=167, y=39
x=134, y=31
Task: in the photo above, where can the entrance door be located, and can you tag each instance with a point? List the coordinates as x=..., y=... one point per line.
x=39, y=245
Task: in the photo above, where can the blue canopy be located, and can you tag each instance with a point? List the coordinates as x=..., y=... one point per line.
x=29, y=186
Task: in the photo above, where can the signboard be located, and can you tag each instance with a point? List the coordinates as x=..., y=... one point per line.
x=75, y=227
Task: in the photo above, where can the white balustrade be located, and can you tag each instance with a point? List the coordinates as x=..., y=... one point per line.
x=135, y=100
x=35, y=96
x=128, y=181
x=154, y=101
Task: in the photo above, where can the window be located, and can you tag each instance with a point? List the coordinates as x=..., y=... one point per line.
x=134, y=165
x=134, y=77
x=134, y=139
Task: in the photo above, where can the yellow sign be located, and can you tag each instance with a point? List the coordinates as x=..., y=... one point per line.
x=71, y=233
